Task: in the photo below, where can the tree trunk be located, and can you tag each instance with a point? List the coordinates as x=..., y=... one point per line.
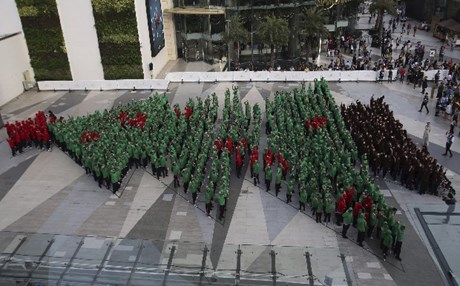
x=272, y=56
x=237, y=56
x=293, y=36
x=308, y=50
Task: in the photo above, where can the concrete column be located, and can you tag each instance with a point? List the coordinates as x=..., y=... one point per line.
x=80, y=37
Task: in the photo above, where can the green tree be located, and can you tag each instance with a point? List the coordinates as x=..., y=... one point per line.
x=274, y=32
x=380, y=7
x=314, y=29
x=237, y=34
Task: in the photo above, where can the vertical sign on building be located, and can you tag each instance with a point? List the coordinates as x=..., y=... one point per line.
x=155, y=20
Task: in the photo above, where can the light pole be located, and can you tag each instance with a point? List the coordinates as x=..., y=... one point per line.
x=229, y=62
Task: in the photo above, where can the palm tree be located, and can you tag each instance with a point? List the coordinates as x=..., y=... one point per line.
x=314, y=29
x=379, y=7
x=274, y=32
x=236, y=33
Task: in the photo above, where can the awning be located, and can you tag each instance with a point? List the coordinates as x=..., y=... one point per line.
x=450, y=24
x=196, y=11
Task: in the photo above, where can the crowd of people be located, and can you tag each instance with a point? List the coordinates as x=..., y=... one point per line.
x=383, y=142
x=313, y=154
x=143, y=134
x=29, y=133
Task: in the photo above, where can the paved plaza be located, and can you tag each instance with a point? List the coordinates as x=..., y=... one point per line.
x=57, y=227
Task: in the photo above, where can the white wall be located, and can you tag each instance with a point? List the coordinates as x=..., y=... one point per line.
x=169, y=52
x=77, y=23
x=9, y=17
x=144, y=37
x=14, y=60
x=14, y=55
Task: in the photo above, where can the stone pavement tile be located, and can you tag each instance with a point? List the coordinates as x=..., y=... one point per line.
x=108, y=219
x=148, y=192
x=32, y=189
x=248, y=223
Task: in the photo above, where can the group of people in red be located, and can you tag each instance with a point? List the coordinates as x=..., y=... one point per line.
x=31, y=132
x=89, y=136
x=138, y=121
x=316, y=122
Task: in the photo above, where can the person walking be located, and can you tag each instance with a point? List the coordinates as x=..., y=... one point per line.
x=426, y=134
x=425, y=103
x=450, y=140
x=450, y=201
x=424, y=84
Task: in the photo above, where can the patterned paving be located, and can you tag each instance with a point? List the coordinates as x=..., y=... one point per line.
x=46, y=196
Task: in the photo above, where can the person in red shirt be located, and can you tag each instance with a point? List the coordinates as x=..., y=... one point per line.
x=356, y=211
x=229, y=144
x=218, y=143
x=12, y=146
x=285, y=169
x=341, y=208
x=239, y=162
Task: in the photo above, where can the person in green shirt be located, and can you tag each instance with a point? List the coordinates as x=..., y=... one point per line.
x=328, y=208
x=399, y=240
x=278, y=178
x=362, y=227
x=221, y=197
x=268, y=177
x=319, y=208
x=208, y=197
x=372, y=221
x=115, y=178
x=302, y=199
x=387, y=240
x=314, y=202
x=186, y=178
x=176, y=173
x=347, y=219
x=290, y=190
x=194, y=185
x=255, y=173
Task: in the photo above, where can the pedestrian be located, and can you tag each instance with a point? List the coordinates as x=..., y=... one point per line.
x=387, y=240
x=221, y=200
x=453, y=123
x=450, y=201
x=372, y=221
x=302, y=200
x=328, y=207
x=278, y=178
x=290, y=190
x=415, y=30
x=347, y=219
x=425, y=103
x=450, y=140
x=255, y=173
x=362, y=227
x=390, y=75
x=268, y=177
x=424, y=84
x=399, y=240
x=176, y=173
x=319, y=209
x=208, y=197
x=426, y=134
